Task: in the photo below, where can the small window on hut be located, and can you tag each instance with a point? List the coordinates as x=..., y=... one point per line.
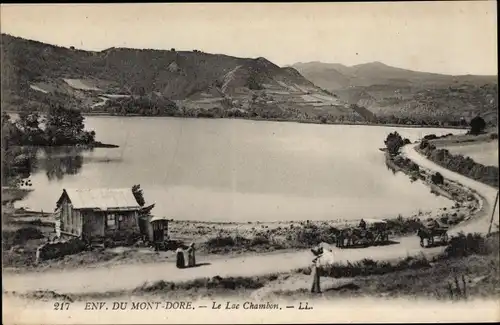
x=110, y=221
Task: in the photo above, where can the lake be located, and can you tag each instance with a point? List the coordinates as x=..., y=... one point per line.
x=240, y=170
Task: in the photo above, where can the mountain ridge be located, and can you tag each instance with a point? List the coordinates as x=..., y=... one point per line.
x=128, y=81
x=396, y=92
x=184, y=83
x=380, y=63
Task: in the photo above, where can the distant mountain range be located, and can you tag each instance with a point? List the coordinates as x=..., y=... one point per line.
x=387, y=90
x=128, y=81
x=334, y=76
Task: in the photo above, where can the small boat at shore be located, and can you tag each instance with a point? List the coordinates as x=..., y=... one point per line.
x=382, y=149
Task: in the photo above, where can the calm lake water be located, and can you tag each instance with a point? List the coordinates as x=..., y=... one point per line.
x=238, y=170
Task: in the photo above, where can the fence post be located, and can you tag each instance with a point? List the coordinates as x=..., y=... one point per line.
x=38, y=253
x=493, y=213
x=459, y=291
x=464, y=283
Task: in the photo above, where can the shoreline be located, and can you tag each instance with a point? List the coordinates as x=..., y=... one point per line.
x=294, y=258
x=436, y=189
x=364, y=123
x=259, y=119
x=219, y=239
x=19, y=212
x=202, y=232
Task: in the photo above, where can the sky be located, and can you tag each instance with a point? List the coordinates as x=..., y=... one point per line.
x=451, y=37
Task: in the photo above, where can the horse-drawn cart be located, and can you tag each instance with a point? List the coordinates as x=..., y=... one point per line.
x=429, y=232
x=375, y=233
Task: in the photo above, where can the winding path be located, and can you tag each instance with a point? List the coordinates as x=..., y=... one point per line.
x=481, y=222
x=127, y=277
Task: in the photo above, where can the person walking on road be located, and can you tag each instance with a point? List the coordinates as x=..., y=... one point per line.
x=191, y=256
x=180, y=261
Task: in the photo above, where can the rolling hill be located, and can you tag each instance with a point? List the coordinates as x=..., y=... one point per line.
x=391, y=91
x=159, y=82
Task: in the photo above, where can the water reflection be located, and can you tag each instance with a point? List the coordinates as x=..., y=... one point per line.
x=60, y=161
x=229, y=170
x=55, y=162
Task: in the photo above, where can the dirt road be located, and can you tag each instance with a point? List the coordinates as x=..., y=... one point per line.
x=488, y=193
x=126, y=277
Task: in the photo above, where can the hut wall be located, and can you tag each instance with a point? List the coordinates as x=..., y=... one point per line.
x=78, y=222
x=93, y=223
x=71, y=219
x=66, y=222
x=129, y=220
x=149, y=228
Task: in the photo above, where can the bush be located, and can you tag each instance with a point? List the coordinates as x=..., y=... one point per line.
x=253, y=84
x=367, y=267
x=464, y=245
x=216, y=282
x=220, y=241
x=259, y=240
x=462, y=165
x=311, y=235
x=22, y=235
x=437, y=178
x=58, y=250
x=120, y=238
x=225, y=242
x=424, y=144
x=430, y=137
x=477, y=125
x=414, y=167
x=402, y=226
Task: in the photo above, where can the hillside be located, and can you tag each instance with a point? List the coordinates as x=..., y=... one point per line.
x=389, y=91
x=159, y=82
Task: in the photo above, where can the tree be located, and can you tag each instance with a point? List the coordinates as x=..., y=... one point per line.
x=437, y=178
x=138, y=194
x=65, y=126
x=139, y=197
x=253, y=84
x=393, y=143
x=477, y=125
x=29, y=125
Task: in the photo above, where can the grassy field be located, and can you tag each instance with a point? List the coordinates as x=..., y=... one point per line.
x=484, y=153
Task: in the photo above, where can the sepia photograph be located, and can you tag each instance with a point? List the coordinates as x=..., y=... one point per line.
x=175, y=163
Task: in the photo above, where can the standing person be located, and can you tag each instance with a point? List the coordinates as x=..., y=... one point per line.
x=315, y=269
x=38, y=254
x=180, y=262
x=362, y=224
x=191, y=256
x=340, y=238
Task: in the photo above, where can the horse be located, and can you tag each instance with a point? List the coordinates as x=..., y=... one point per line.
x=430, y=233
x=425, y=233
